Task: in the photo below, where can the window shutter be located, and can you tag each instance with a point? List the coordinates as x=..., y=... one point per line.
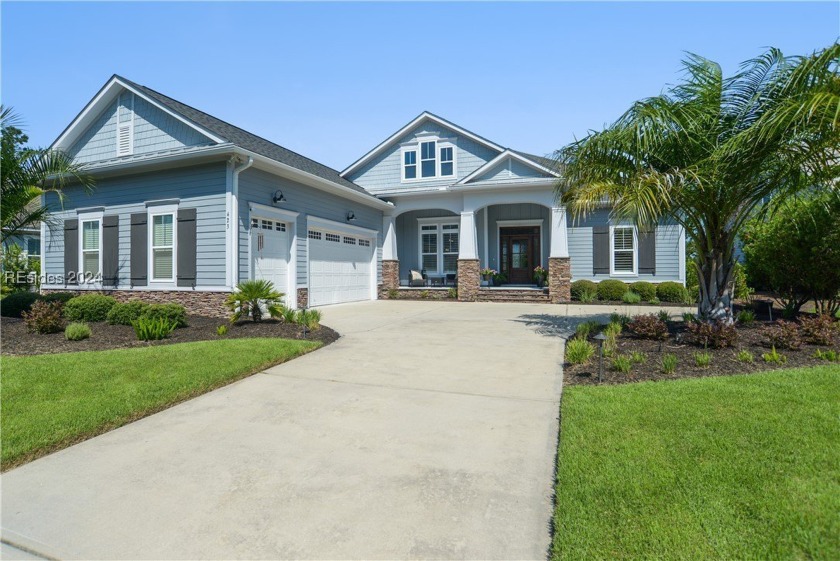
x=139, y=249
x=110, y=250
x=186, y=247
x=647, y=252
x=601, y=250
x=71, y=251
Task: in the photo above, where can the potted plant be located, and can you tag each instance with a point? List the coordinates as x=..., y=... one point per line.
x=487, y=275
x=540, y=276
x=499, y=279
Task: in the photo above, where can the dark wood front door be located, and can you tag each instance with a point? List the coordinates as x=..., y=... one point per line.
x=519, y=253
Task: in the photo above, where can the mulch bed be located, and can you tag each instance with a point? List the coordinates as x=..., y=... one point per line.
x=724, y=361
x=16, y=340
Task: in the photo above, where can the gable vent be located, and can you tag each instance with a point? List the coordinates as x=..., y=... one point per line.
x=125, y=124
x=124, y=140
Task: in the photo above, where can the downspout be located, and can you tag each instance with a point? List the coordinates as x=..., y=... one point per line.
x=234, y=221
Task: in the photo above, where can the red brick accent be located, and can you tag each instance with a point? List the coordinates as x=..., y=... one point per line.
x=468, y=279
x=559, y=279
x=200, y=303
x=390, y=277
x=302, y=297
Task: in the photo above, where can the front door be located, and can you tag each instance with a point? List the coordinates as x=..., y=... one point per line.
x=519, y=253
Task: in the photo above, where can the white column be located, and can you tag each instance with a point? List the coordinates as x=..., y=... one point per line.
x=559, y=234
x=389, y=245
x=468, y=246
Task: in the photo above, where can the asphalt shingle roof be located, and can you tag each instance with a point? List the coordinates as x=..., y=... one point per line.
x=247, y=140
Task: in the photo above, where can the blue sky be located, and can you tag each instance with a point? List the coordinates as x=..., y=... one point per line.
x=332, y=80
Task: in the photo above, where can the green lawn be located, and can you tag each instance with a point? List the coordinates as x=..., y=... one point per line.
x=52, y=401
x=737, y=467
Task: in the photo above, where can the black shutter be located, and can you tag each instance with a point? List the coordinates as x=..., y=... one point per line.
x=110, y=250
x=71, y=251
x=139, y=249
x=186, y=247
x=647, y=252
x=601, y=250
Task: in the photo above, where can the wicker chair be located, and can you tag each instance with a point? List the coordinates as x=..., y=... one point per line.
x=415, y=278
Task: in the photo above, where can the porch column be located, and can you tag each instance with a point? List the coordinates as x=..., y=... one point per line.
x=559, y=264
x=390, y=260
x=468, y=264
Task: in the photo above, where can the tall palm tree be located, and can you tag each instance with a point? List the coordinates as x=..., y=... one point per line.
x=710, y=152
x=27, y=174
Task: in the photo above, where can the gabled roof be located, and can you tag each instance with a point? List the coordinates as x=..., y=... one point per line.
x=217, y=130
x=422, y=117
x=538, y=163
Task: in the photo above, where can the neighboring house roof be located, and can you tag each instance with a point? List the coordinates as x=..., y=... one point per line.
x=546, y=164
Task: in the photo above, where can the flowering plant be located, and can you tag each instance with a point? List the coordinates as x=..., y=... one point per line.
x=488, y=272
x=540, y=274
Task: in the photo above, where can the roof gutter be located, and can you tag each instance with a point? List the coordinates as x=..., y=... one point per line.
x=233, y=221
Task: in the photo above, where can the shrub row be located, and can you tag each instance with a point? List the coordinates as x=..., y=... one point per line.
x=616, y=291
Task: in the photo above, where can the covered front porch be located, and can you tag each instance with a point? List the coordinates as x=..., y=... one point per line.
x=441, y=246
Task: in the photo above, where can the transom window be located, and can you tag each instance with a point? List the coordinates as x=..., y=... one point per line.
x=314, y=235
x=364, y=243
x=333, y=237
x=264, y=224
x=439, y=245
x=350, y=241
x=91, y=248
x=436, y=160
x=624, y=250
x=163, y=247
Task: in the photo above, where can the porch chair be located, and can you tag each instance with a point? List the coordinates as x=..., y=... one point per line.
x=415, y=278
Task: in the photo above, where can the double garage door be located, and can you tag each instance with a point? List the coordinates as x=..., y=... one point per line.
x=339, y=267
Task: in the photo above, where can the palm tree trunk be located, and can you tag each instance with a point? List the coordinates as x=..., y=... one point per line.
x=715, y=270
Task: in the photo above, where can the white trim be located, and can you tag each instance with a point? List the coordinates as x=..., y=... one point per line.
x=558, y=244
x=64, y=287
x=414, y=123
x=635, y=272
x=327, y=224
x=498, y=159
x=89, y=216
x=681, y=255
x=273, y=212
x=513, y=224
x=232, y=221
x=416, y=147
x=486, y=238
x=43, y=242
x=531, y=222
x=151, y=212
x=439, y=222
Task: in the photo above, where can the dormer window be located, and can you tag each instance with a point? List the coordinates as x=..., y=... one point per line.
x=436, y=160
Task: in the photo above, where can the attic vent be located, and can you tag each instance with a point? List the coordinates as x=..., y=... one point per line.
x=124, y=140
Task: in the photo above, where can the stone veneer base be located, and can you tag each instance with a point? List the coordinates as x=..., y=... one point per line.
x=302, y=297
x=559, y=279
x=199, y=303
x=469, y=279
x=390, y=277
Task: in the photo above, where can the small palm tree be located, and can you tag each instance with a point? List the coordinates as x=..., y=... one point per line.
x=709, y=154
x=257, y=298
x=27, y=174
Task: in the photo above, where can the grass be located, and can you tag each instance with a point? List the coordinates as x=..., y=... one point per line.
x=733, y=467
x=52, y=401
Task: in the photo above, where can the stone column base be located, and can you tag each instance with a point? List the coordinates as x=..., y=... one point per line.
x=196, y=302
x=559, y=279
x=390, y=277
x=468, y=279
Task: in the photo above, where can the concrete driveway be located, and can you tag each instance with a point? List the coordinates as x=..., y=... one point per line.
x=428, y=430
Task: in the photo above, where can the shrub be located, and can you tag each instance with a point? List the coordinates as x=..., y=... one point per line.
x=251, y=297
x=62, y=297
x=175, y=314
x=579, y=286
x=647, y=290
x=649, y=327
x=671, y=291
x=587, y=328
x=611, y=289
x=222, y=330
x=289, y=315
x=663, y=316
x=152, y=329
x=424, y=294
x=393, y=294
x=703, y=359
x=89, y=307
x=717, y=335
x=77, y=331
x=784, y=335
x=310, y=319
x=741, y=290
x=638, y=357
x=19, y=275
x=745, y=356
x=655, y=301
x=631, y=297
x=13, y=305
x=620, y=319
x=819, y=330
x=669, y=363
x=774, y=357
x=622, y=364
x=588, y=296
x=611, y=332
x=830, y=355
x=125, y=313
x=452, y=293
x=44, y=317
x=579, y=351
x=746, y=317
x=688, y=317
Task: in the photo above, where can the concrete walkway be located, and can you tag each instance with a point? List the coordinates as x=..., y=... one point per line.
x=428, y=430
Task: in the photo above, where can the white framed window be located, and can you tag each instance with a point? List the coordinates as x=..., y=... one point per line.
x=163, y=242
x=624, y=256
x=90, y=247
x=409, y=167
x=447, y=161
x=439, y=246
x=428, y=158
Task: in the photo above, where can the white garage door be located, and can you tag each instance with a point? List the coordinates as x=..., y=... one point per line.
x=270, y=253
x=339, y=268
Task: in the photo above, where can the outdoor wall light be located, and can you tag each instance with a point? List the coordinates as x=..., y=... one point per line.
x=278, y=197
x=351, y=216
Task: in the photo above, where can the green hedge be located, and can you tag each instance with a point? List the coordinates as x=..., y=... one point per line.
x=126, y=312
x=174, y=313
x=13, y=305
x=611, y=289
x=89, y=307
x=647, y=290
x=581, y=286
x=671, y=291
